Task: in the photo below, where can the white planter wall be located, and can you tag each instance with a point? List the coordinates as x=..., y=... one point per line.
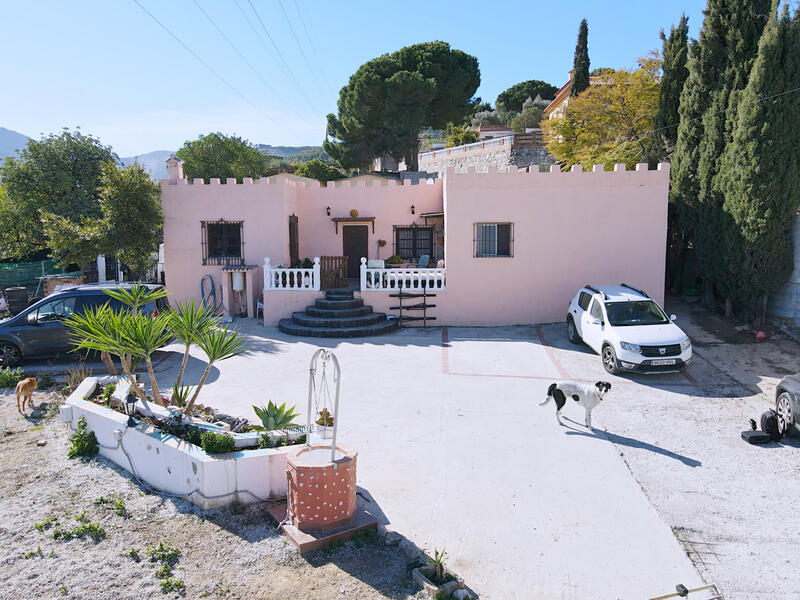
x=177, y=467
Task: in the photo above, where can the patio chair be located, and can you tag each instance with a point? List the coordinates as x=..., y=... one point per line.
x=423, y=261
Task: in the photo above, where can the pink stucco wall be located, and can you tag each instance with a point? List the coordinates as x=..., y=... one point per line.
x=569, y=229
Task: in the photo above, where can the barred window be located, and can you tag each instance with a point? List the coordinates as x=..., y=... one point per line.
x=494, y=239
x=411, y=241
x=222, y=242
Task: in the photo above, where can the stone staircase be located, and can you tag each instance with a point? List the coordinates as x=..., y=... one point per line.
x=338, y=315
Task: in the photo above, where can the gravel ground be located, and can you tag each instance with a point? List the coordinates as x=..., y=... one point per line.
x=736, y=511
x=234, y=553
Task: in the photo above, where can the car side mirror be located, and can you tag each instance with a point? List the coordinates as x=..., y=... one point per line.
x=597, y=322
x=32, y=318
x=673, y=317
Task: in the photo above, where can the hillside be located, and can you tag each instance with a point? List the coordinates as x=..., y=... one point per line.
x=10, y=142
x=153, y=162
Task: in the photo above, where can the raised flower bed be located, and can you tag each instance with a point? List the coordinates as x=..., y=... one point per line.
x=174, y=465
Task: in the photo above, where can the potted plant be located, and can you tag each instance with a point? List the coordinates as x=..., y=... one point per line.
x=434, y=577
x=394, y=260
x=324, y=424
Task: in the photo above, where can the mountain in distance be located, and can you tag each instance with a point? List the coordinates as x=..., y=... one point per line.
x=284, y=151
x=10, y=142
x=153, y=162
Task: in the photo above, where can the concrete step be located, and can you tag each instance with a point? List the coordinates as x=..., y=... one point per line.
x=302, y=318
x=339, y=294
x=338, y=304
x=344, y=312
x=292, y=328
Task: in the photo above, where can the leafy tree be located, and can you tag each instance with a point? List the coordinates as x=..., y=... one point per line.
x=580, y=65
x=458, y=135
x=514, y=97
x=316, y=169
x=758, y=177
x=675, y=56
x=389, y=99
x=218, y=155
x=129, y=224
x=59, y=175
x=531, y=116
x=487, y=117
x=719, y=65
x=608, y=123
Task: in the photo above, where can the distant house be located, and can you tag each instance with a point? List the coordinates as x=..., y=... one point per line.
x=559, y=104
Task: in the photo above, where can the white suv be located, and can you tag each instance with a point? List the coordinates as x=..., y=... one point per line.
x=628, y=329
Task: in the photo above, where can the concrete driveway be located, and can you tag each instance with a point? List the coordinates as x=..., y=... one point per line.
x=457, y=454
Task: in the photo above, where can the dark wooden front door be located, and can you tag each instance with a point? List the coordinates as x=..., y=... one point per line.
x=354, y=246
x=294, y=253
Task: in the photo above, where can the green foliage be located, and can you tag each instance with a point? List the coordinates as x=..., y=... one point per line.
x=217, y=443
x=310, y=154
x=389, y=99
x=32, y=553
x=580, y=65
x=117, y=504
x=136, y=296
x=394, y=259
x=529, y=117
x=217, y=344
x=719, y=65
x=218, y=155
x=675, y=55
x=274, y=417
x=487, y=117
x=325, y=418
x=514, y=97
x=268, y=441
x=608, y=123
x=75, y=375
x=457, y=135
x=57, y=175
x=180, y=394
x=174, y=425
x=84, y=528
x=367, y=537
x=163, y=552
x=84, y=443
x=62, y=589
x=107, y=391
x=438, y=562
x=308, y=263
x=758, y=176
x=10, y=377
x=134, y=555
x=316, y=169
x=188, y=322
x=46, y=523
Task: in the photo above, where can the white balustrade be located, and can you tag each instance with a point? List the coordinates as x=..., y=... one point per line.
x=490, y=143
x=375, y=280
x=281, y=278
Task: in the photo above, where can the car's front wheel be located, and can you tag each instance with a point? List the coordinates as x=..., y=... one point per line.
x=572, y=331
x=783, y=406
x=10, y=355
x=609, y=357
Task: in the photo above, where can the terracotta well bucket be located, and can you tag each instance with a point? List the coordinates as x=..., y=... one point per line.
x=322, y=494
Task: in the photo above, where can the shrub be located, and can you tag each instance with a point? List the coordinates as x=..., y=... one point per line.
x=109, y=389
x=308, y=263
x=217, y=443
x=10, y=377
x=84, y=443
x=394, y=260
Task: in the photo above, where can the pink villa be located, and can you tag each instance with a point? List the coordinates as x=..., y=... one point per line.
x=478, y=248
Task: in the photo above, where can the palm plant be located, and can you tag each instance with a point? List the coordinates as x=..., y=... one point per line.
x=101, y=329
x=218, y=344
x=189, y=322
x=137, y=295
x=142, y=335
x=438, y=563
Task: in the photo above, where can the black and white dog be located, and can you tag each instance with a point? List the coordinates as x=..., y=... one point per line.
x=588, y=396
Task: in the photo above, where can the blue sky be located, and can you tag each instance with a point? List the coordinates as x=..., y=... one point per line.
x=106, y=66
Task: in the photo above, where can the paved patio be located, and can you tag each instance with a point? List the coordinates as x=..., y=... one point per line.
x=457, y=454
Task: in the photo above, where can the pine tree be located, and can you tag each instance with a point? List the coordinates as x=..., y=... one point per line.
x=675, y=72
x=758, y=176
x=580, y=65
x=719, y=65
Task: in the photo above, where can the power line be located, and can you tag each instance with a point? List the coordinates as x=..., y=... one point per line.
x=231, y=44
x=313, y=46
x=283, y=60
x=299, y=47
x=202, y=62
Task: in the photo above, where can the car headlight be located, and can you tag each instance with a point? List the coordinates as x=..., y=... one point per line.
x=631, y=347
x=686, y=344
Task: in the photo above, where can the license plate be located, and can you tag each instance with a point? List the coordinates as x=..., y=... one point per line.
x=662, y=362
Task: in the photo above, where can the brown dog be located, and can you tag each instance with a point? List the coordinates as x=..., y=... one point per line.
x=25, y=390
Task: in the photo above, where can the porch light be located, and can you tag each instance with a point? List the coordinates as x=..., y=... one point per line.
x=412, y=209
x=130, y=406
x=328, y=210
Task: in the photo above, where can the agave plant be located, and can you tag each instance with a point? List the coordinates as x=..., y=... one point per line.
x=438, y=561
x=188, y=323
x=218, y=344
x=180, y=394
x=274, y=417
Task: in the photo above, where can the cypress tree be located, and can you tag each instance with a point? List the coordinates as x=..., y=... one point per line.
x=675, y=54
x=758, y=177
x=719, y=66
x=580, y=65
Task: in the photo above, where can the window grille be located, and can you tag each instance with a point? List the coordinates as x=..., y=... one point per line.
x=222, y=242
x=493, y=239
x=413, y=241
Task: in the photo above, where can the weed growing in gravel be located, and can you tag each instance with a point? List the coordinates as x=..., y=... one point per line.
x=84, y=443
x=85, y=527
x=363, y=538
x=10, y=377
x=333, y=546
x=116, y=504
x=134, y=555
x=31, y=553
x=62, y=589
x=37, y=428
x=167, y=555
x=45, y=524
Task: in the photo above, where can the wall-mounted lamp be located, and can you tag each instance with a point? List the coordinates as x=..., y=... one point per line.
x=328, y=210
x=412, y=209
